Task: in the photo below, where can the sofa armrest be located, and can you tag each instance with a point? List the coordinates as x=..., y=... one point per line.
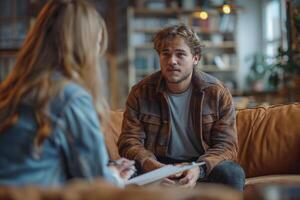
x=112, y=131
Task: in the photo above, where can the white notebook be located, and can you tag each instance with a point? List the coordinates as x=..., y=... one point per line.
x=161, y=173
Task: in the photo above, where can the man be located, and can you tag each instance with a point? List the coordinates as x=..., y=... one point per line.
x=181, y=114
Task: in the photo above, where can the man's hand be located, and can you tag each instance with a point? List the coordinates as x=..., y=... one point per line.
x=190, y=177
x=172, y=180
x=186, y=179
x=151, y=164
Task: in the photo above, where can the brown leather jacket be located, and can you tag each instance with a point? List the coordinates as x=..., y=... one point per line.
x=146, y=125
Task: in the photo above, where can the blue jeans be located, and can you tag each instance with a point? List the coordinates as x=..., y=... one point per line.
x=228, y=173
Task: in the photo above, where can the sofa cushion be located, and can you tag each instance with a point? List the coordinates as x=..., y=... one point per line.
x=274, y=180
x=282, y=186
x=269, y=140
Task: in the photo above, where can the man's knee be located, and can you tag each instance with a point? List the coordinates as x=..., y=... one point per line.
x=229, y=169
x=229, y=173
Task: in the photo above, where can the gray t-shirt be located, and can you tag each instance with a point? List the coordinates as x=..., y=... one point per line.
x=184, y=144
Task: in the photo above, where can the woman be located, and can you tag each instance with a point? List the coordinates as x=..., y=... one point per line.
x=50, y=131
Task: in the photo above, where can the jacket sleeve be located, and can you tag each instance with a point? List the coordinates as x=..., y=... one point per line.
x=84, y=150
x=131, y=140
x=223, y=136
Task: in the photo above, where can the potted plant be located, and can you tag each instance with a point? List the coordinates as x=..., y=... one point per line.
x=286, y=68
x=269, y=73
x=256, y=77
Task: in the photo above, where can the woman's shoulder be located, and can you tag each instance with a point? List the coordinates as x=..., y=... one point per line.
x=68, y=89
x=72, y=91
x=70, y=94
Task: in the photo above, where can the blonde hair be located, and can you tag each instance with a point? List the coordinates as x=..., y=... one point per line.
x=188, y=34
x=64, y=38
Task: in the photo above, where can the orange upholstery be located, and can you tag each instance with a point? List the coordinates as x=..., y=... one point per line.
x=112, y=132
x=269, y=139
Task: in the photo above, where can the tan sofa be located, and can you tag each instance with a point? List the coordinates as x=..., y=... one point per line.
x=269, y=143
x=269, y=140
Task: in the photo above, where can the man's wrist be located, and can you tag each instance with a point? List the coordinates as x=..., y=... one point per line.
x=202, y=172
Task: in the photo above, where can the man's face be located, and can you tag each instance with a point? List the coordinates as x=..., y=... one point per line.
x=177, y=61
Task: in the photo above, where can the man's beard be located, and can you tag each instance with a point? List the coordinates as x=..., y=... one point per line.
x=179, y=80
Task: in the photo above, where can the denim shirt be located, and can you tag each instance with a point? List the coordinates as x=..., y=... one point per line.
x=74, y=149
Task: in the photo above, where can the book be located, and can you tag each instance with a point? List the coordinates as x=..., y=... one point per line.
x=161, y=173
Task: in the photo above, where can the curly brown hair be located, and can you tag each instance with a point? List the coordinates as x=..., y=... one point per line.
x=183, y=31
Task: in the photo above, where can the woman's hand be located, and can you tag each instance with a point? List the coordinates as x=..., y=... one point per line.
x=124, y=167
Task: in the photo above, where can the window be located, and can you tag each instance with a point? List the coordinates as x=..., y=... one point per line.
x=272, y=27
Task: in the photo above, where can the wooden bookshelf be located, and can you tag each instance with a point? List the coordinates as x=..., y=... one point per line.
x=15, y=20
x=217, y=33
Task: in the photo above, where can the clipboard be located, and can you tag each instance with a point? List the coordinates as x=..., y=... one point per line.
x=161, y=173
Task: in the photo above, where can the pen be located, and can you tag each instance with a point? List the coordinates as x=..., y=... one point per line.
x=114, y=162
x=118, y=163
